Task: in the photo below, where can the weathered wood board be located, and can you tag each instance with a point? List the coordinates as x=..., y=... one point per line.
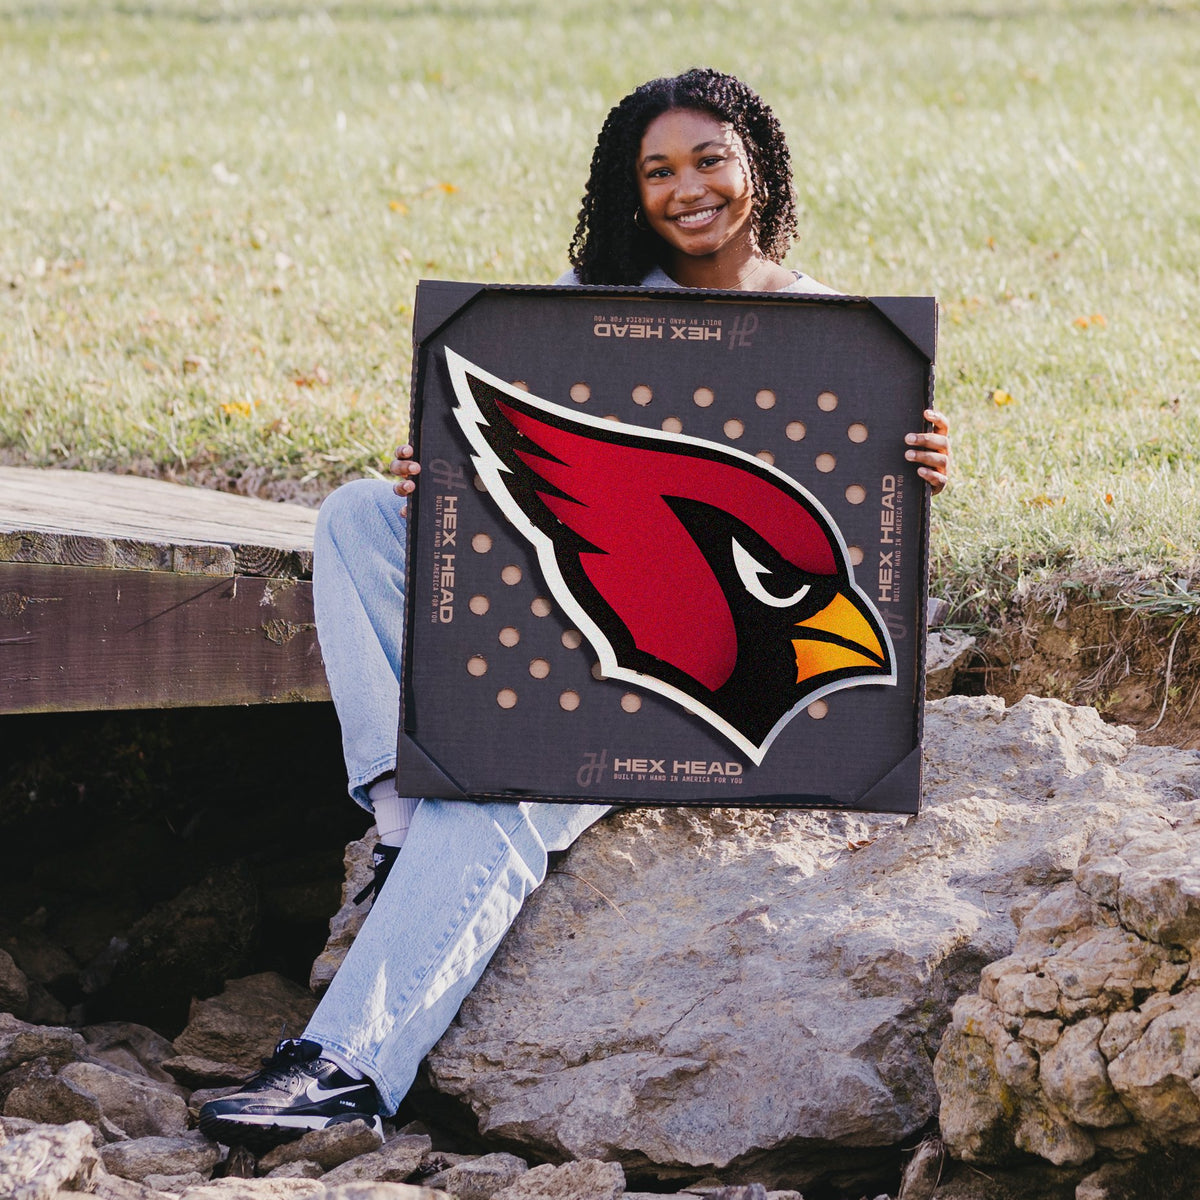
x=122, y=592
x=76, y=518
x=78, y=638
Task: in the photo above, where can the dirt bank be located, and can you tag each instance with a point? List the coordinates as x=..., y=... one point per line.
x=1105, y=644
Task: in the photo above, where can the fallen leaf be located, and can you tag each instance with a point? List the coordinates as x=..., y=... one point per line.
x=318, y=376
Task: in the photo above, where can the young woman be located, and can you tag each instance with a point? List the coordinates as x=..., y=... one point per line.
x=690, y=186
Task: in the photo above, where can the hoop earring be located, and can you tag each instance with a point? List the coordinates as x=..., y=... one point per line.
x=639, y=219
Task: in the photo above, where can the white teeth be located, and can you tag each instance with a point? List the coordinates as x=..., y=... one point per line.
x=693, y=217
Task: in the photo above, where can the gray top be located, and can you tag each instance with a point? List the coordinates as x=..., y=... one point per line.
x=658, y=278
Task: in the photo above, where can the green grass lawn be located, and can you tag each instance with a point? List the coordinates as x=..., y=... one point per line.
x=213, y=216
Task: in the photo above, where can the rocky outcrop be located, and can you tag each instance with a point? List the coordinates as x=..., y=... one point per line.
x=229, y=1035
x=571, y=1181
x=738, y=1000
x=347, y=921
x=1086, y=1039
x=22, y=1043
x=799, y=966
x=479, y=1178
x=118, y=1103
x=162, y=1157
x=14, y=987
x=39, y=1162
x=395, y=1161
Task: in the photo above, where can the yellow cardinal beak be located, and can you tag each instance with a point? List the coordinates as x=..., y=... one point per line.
x=842, y=637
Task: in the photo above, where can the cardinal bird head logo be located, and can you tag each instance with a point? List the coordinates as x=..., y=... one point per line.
x=694, y=570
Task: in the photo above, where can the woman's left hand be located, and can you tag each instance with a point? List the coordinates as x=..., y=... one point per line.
x=931, y=450
x=404, y=465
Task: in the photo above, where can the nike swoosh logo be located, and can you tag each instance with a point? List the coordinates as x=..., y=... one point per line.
x=316, y=1093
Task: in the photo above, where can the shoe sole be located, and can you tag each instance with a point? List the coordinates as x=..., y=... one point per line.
x=263, y=1133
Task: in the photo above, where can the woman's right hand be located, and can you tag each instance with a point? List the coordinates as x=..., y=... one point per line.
x=404, y=466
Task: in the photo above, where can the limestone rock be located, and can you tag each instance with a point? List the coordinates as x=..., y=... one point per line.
x=923, y=1171
x=383, y=1191
x=11, y=1127
x=49, y=1100
x=41, y=959
x=241, y=1025
x=695, y=954
x=21, y=1042
x=256, y=1189
x=173, y=1183
x=140, y=1107
x=129, y=1047
x=479, y=1178
x=118, y=1103
x=161, y=1156
x=367, y=1191
x=14, y=987
x=737, y=1191
x=1087, y=1036
x=586, y=1180
x=37, y=1164
x=196, y=1072
x=347, y=921
x=44, y=1008
x=113, y=1187
x=945, y=652
x=300, y=1169
x=327, y=1147
x=394, y=1162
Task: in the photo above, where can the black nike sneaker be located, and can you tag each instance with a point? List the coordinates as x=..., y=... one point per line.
x=297, y=1090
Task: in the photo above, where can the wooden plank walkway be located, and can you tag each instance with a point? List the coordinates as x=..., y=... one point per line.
x=123, y=592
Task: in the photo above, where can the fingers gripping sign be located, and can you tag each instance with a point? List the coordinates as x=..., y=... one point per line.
x=404, y=466
x=931, y=450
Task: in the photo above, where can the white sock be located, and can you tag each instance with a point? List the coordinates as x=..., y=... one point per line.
x=345, y=1065
x=393, y=814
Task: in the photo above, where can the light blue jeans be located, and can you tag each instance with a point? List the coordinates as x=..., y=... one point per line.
x=465, y=869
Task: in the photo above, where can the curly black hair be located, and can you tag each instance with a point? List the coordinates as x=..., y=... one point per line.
x=607, y=246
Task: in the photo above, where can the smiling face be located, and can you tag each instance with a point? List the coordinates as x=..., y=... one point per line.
x=696, y=193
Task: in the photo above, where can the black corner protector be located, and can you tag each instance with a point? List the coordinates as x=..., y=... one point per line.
x=899, y=791
x=913, y=316
x=418, y=775
x=440, y=299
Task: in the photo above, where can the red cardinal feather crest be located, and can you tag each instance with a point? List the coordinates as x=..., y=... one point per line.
x=694, y=570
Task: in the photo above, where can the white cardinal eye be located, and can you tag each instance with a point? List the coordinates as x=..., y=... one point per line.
x=750, y=571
